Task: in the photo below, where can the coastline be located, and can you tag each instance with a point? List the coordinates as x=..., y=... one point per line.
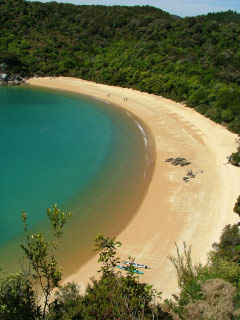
x=172, y=210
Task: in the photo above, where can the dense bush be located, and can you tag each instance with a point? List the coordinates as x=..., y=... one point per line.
x=212, y=290
x=111, y=297
x=237, y=206
x=229, y=244
x=17, y=298
x=217, y=302
x=193, y=60
x=236, y=158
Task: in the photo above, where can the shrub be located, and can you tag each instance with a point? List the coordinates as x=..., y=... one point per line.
x=224, y=269
x=229, y=244
x=227, y=115
x=214, y=114
x=17, y=298
x=234, y=125
x=236, y=158
x=209, y=291
x=67, y=303
x=237, y=206
x=217, y=303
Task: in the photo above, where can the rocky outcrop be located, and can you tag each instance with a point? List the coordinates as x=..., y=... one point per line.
x=178, y=161
x=11, y=80
x=190, y=175
x=182, y=162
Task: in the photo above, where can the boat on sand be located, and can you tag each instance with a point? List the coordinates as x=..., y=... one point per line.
x=128, y=269
x=135, y=265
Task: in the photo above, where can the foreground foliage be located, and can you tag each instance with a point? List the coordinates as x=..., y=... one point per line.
x=113, y=296
x=17, y=298
x=207, y=291
x=44, y=272
x=193, y=60
x=210, y=291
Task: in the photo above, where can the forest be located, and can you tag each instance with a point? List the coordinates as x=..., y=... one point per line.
x=192, y=60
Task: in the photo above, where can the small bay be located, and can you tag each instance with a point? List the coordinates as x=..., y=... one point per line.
x=76, y=151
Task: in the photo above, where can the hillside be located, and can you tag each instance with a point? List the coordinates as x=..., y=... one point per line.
x=193, y=60
x=224, y=17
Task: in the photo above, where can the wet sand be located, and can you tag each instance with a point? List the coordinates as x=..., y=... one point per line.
x=172, y=210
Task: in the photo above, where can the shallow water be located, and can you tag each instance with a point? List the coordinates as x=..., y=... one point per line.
x=58, y=147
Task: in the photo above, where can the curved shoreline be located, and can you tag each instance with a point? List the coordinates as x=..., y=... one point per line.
x=121, y=179
x=172, y=210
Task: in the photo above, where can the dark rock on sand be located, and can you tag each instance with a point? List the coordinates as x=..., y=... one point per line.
x=185, y=163
x=191, y=174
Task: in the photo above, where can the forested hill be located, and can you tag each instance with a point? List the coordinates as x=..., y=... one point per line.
x=195, y=60
x=225, y=17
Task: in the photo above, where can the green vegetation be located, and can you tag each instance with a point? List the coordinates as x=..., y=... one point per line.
x=17, y=298
x=43, y=269
x=237, y=206
x=193, y=60
x=235, y=157
x=210, y=291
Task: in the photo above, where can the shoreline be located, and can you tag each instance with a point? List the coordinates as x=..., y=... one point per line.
x=172, y=211
x=112, y=184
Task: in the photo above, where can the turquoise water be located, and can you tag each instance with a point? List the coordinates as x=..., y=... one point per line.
x=57, y=147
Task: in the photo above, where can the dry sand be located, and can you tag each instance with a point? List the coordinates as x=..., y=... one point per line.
x=172, y=210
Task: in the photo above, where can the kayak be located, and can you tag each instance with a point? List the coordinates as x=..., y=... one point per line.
x=127, y=269
x=136, y=265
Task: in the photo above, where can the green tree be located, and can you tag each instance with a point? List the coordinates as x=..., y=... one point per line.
x=40, y=254
x=107, y=256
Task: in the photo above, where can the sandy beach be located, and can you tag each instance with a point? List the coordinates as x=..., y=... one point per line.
x=172, y=210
